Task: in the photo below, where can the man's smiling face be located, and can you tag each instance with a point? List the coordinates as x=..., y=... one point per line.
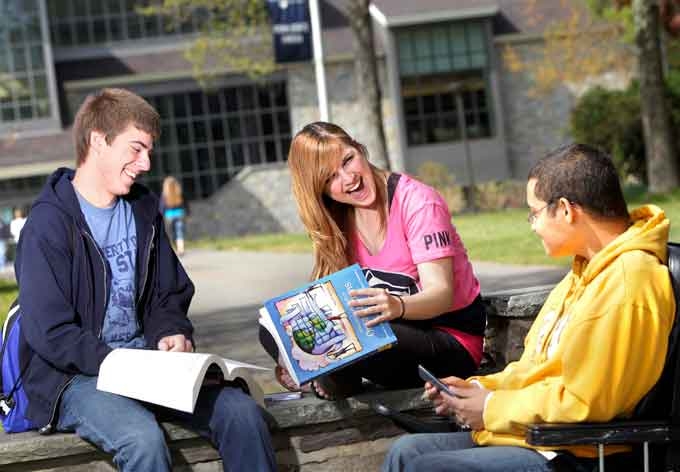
x=120, y=163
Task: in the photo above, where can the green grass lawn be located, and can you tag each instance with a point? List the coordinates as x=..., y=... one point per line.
x=8, y=292
x=502, y=236
x=505, y=236
x=257, y=242
x=499, y=236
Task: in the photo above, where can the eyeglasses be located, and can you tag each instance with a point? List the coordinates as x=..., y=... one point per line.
x=533, y=214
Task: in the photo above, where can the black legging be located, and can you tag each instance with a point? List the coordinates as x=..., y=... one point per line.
x=397, y=367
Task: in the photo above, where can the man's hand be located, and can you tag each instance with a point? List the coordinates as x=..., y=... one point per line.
x=176, y=343
x=432, y=393
x=467, y=406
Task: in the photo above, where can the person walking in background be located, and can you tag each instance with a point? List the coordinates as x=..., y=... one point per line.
x=17, y=224
x=399, y=230
x=172, y=206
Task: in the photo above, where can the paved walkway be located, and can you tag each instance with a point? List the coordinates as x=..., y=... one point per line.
x=231, y=286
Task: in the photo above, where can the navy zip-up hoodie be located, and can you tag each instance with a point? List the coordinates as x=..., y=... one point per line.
x=64, y=287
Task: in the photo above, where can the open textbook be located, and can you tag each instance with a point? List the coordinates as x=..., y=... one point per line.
x=317, y=331
x=171, y=379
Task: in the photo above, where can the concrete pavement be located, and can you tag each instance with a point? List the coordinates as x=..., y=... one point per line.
x=231, y=279
x=231, y=286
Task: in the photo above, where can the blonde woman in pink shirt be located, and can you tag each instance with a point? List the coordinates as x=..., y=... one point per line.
x=399, y=231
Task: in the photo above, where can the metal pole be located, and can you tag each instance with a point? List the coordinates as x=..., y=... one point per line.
x=319, y=70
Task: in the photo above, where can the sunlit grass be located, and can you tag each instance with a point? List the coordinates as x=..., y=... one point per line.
x=259, y=242
x=8, y=292
x=500, y=236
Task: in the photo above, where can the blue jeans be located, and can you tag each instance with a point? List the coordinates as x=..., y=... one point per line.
x=457, y=452
x=129, y=429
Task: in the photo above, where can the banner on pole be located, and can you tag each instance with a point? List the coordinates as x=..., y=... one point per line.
x=291, y=30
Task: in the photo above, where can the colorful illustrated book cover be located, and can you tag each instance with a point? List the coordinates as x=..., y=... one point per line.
x=317, y=329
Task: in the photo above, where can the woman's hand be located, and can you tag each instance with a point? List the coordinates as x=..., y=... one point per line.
x=376, y=301
x=434, y=298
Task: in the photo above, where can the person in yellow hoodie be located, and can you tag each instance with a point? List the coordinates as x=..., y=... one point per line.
x=598, y=344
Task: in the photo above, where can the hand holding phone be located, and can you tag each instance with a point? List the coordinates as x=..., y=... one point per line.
x=427, y=376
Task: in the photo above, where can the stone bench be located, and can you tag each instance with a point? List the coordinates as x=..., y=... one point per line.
x=309, y=434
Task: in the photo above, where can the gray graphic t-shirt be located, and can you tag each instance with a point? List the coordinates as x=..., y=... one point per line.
x=114, y=231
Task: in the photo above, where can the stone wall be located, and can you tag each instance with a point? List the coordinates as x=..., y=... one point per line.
x=257, y=200
x=534, y=123
x=511, y=314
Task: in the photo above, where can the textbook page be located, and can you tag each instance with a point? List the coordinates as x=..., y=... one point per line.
x=171, y=379
x=243, y=370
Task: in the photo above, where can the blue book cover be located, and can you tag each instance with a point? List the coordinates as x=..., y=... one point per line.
x=317, y=329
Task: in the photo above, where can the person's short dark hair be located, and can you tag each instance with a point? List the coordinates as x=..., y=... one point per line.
x=110, y=111
x=584, y=175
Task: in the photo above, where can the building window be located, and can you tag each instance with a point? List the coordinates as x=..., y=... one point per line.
x=24, y=93
x=443, y=76
x=207, y=138
x=92, y=22
x=431, y=112
x=442, y=48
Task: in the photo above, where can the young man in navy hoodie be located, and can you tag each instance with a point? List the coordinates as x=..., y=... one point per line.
x=96, y=272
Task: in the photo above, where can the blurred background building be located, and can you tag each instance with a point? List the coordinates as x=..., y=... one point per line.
x=439, y=60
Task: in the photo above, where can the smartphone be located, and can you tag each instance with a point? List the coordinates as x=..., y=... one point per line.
x=427, y=376
x=282, y=396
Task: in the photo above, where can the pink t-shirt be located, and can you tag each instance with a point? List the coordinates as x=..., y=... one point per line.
x=419, y=229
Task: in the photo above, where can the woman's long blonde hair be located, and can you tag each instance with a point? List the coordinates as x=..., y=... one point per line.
x=172, y=192
x=315, y=153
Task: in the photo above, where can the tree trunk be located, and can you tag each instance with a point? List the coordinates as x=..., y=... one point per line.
x=660, y=148
x=368, y=84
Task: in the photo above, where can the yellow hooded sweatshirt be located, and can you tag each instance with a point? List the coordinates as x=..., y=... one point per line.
x=598, y=344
